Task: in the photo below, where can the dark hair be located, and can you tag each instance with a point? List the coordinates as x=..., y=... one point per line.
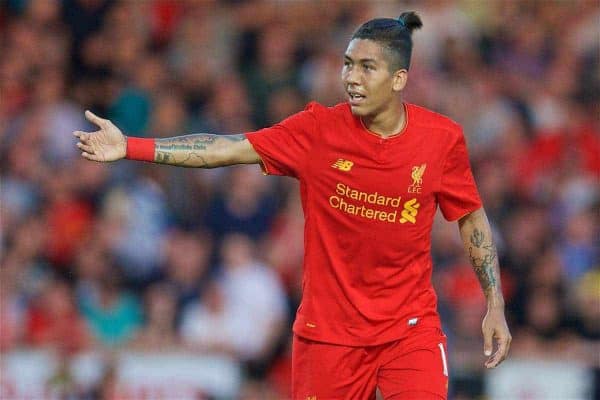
x=394, y=35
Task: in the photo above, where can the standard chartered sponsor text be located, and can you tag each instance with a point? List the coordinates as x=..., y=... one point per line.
x=344, y=192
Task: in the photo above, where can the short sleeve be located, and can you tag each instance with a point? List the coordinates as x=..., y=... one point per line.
x=458, y=195
x=284, y=148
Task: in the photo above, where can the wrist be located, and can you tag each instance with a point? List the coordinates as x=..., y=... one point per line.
x=140, y=149
x=495, y=301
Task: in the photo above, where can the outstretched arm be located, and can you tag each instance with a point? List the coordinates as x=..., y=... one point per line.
x=476, y=235
x=199, y=150
x=205, y=151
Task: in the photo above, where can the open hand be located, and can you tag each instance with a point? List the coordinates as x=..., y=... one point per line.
x=106, y=144
x=494, y=327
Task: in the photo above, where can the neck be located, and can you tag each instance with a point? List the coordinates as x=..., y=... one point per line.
x=388, y=122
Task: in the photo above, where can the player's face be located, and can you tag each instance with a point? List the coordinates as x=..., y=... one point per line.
x=369, y=83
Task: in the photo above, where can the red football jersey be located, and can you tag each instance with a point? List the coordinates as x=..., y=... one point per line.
x=369, y=204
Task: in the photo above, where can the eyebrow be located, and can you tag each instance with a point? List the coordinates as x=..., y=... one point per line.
x=362, y=60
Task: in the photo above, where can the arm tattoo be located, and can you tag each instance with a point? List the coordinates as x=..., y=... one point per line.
x=193, y=150
x=477, y=238
x=484, y=260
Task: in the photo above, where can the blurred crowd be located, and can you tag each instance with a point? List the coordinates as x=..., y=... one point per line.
x=139, y=256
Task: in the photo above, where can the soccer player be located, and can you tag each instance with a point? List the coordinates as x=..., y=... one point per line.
x=372, y=171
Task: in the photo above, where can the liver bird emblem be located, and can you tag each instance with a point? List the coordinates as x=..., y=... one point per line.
x=417, y=174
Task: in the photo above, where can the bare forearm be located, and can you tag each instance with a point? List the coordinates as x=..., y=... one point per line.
x=204, y=151
x=476, y=234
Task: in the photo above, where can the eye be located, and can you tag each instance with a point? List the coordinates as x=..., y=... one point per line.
x=369, y=67
x=346, y=63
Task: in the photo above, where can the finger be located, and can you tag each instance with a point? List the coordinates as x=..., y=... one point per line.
x=494, y=361
x=499, y=355
x=502, y=352
x=95, y=119
x=487, y=343
x=91, y=157
x=86, y=148
x=83, y=136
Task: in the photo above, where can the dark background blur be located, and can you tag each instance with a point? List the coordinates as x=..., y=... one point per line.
x=132, y=280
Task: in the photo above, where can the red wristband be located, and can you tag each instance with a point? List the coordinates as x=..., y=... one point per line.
x=140, y=149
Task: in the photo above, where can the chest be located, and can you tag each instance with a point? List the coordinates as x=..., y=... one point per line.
x=376, y=171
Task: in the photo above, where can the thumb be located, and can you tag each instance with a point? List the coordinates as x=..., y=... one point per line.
x=487, y=343
x=93, y=118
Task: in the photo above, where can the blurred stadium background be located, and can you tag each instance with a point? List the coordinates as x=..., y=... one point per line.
x=136, y=281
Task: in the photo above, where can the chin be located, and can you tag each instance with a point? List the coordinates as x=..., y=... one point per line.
x=359, y=111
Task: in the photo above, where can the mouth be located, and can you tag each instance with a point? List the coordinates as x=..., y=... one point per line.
x=355, y=98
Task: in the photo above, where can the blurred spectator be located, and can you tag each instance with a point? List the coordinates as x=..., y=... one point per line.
x=319, y=76
x=247, y=298
x=187, y=265
x=208, y=326
x=113, y=315
x=69, y=218
x=159, y=330
x=579, y=248
x=543, y=313
x=254, y=296
x=25, y=275
x=526, y=235
x=243, y=205
x=53, y=320
x=283, y=103
x=227, y=110
x=587, y=298
x=58, y=114
x=140, y=216
x=89, y=266
x=204, y=37
x=13, y=307
x=132, y=107
x=284, y=247
x=169, y=115
x=275, y=68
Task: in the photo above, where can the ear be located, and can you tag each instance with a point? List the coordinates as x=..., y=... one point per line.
x=399, y=80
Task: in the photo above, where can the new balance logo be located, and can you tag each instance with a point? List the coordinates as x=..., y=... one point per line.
x=342, y=165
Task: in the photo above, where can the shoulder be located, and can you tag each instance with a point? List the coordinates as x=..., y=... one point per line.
x=324, y=117
x=435, y=123
x=320, y=110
